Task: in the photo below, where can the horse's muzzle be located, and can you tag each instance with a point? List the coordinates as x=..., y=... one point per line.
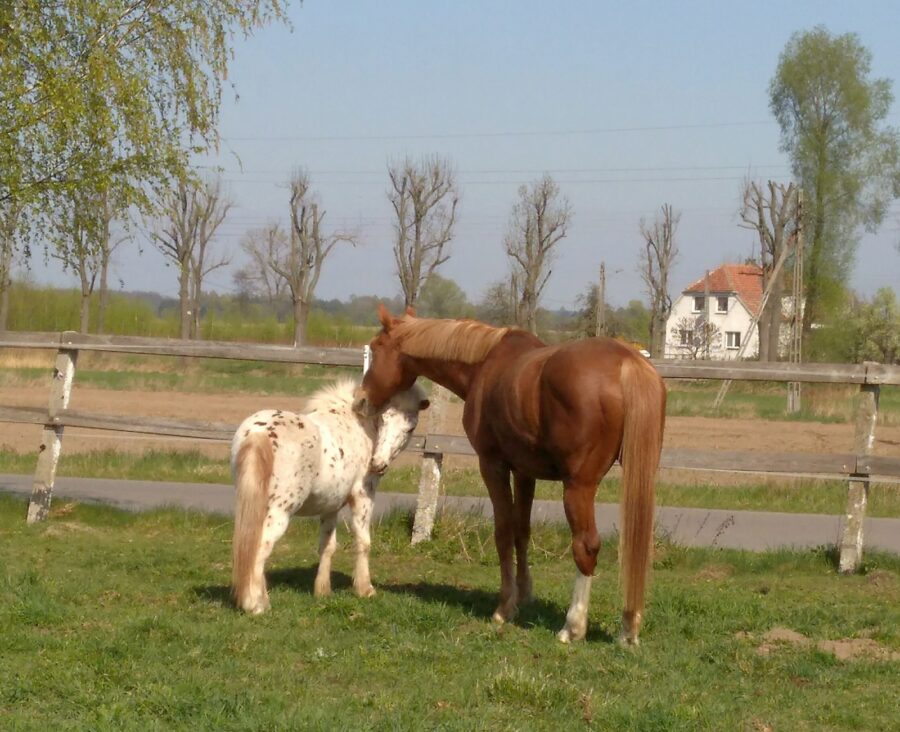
x=361, y=404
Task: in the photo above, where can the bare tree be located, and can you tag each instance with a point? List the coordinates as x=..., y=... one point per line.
x=191, y=214
x=539, y=221
x=773, y=215
x=424, y=197
x=263, y=246
x=306, y=253
x=695, y=337
x=657, y=255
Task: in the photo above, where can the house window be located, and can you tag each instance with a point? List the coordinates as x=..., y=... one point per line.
x=732, y=339
x=699, y=303
x=722, y=304
x=686, y=336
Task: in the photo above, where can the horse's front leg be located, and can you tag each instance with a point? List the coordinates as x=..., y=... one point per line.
x=361, y=506
x=496, y=477
x=327, y=545
x=524, y=498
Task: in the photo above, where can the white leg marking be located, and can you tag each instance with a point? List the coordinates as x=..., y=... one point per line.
x=576, y=619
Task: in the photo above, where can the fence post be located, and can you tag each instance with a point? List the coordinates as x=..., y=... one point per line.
x=858, y=491
x=430, y=477
x=51, y=434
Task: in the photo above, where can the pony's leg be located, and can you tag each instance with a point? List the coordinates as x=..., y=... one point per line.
x=578, y=501
x=496, y=478
x=327, y=545
x=361, y=505
x=524, y=498
x=276, y=524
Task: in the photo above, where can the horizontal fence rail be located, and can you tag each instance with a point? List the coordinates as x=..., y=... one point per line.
x=858, y=466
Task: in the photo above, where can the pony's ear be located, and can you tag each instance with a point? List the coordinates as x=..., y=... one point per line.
x=387, y=320
x=411, y=311
x=424, y=404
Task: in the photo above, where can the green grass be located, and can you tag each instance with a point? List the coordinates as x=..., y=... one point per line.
x=205, y=377
x=115, y=621
x=828, y=403
x=798, y=496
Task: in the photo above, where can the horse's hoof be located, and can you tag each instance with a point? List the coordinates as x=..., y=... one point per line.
x=571, y=635
x=321, y=590
x=627, y=641
x=367, y=591
x=498, y=618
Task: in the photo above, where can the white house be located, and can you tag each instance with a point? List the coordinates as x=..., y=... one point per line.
x=735, y=294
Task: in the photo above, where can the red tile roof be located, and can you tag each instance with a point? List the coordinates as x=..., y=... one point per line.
x=743, y=280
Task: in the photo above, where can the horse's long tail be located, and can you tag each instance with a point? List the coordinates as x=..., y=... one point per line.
x=645, y=414
x=252, y=472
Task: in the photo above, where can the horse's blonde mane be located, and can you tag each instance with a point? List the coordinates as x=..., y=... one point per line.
x=447, y=340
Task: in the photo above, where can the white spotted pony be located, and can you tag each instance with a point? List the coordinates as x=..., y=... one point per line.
x=313, y=464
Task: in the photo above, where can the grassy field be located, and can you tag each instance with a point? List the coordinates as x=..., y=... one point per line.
x=115, y=621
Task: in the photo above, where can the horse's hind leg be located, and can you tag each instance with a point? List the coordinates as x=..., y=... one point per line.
x=273, y=529
x=524, y=498
x=361, y=505
x=327, y=545
x=578, y=501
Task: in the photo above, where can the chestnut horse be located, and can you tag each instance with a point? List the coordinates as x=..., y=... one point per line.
x=534, y=411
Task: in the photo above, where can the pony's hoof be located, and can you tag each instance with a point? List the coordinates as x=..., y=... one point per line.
x=367, y=591
x=321, y=590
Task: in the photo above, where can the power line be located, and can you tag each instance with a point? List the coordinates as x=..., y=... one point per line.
x=506, y=133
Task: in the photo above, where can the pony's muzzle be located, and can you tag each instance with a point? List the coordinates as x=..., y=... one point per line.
x=379, y=468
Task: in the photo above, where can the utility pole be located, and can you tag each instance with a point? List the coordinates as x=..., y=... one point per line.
x=795, y=349
x=600, y=305
x=704, y=327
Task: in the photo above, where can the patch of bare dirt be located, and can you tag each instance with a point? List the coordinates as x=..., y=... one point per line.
x=681, y=432
x=844, y=649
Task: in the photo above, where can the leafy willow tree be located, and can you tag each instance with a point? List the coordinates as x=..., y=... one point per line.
x=142, y=76
x=845, y=158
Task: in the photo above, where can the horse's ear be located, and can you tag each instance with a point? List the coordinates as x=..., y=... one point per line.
x=385, y=317
x=411, y=311
x=424, y=404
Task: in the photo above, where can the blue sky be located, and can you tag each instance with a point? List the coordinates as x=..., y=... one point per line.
x=627, y=105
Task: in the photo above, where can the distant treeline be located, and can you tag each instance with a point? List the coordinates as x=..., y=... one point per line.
x=239, y=317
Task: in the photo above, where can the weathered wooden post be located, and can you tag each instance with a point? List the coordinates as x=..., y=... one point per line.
x=52, y=433
x=430, y=478
x=858, y=493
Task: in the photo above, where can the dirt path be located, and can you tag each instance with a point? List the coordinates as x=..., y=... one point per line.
x=684, y=432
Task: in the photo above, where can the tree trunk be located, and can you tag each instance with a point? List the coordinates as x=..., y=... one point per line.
x=5, y=282
x=85, y=313
x=658, y=335
x=301, y=320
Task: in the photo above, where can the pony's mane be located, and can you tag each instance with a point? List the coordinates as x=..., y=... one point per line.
x=338, y=395
x=447, y=340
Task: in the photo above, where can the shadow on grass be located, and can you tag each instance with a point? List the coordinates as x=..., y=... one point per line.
x=536, y=613
x=300, y=579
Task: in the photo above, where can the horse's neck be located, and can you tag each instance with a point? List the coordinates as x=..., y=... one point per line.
x=452, y=375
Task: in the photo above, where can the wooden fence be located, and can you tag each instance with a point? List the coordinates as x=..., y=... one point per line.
x=858, y=465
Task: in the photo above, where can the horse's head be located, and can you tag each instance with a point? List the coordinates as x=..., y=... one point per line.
x=389, y=371
x=395, y=426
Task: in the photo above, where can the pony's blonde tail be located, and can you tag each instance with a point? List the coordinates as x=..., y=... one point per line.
x=645, y=413
x=252, y=472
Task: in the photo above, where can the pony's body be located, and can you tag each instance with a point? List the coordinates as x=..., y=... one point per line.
x=313, y=464
x=534, y=411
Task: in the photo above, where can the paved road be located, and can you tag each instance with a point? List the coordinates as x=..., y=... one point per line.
x=755, y=530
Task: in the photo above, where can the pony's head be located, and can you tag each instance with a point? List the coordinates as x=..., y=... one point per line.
x=395, y=426
x=389, y=371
